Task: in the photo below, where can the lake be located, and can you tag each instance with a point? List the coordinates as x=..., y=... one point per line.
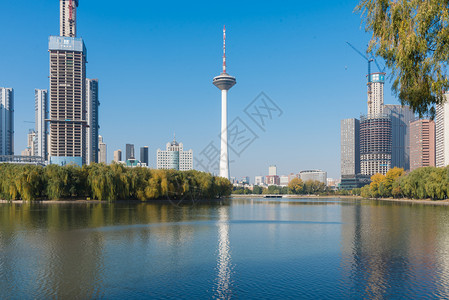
x=239, y=248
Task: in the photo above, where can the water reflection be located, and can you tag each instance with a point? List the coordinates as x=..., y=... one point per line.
x=224, y=264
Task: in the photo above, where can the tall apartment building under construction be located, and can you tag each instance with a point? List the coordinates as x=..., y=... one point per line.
x=67, y=117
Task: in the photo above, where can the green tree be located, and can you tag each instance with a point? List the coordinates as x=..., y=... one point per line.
x=413, y=39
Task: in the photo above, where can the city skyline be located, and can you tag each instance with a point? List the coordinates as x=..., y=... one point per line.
x=252, y=58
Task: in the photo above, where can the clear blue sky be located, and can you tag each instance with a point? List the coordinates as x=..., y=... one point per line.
x=155, y=61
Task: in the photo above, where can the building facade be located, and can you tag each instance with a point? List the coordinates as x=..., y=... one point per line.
x=144, y=156
x=175, y=158
x=272, y=171
x=92, y=128
x=41, y=130
x=259, y=180
x=31, y=141
x=118, y=155
x=350, y=147
x=401, y=117
x=67, y=105
x=442, y=133
x=272, y=180
x=317, y=175
x=375, y=145
x=376, y=94
x=102, y=151
x=422, y=144
x=6, y=121
x=130, y=152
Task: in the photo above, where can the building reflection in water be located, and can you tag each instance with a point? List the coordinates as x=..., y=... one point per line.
x=224, y=263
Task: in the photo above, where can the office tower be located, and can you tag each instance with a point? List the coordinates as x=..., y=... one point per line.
x=224, y=82
x=92, y=127
x=67, y=119
x=350, y=147
x=67, y=16
x=401, y=116
x=174, y=157
x=144, y=156
x=102, y=150
x=130, y=151
x=315, y=175
x=272, y=171
x=6, y=121
x=422, y=144
x=442, y=133
x=118, y=155
x=41, y=131
x=375, y=145
x=375, y=94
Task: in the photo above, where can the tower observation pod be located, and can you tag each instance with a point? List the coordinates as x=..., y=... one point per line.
x=224, y=82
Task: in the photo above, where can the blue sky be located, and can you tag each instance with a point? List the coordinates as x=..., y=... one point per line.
x=155, y=62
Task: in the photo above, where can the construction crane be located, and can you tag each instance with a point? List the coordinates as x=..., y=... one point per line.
x=369, y=60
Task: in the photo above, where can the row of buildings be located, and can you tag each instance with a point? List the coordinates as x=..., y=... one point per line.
x=283, y=180
x=390, y=136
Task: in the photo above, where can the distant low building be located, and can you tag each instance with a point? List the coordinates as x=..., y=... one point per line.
x=174, y=157
x=272, y=180
x=317, y=175
x=259, y=180
x=283, y=180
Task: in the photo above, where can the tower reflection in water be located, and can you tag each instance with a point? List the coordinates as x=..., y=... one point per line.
x=223, y=288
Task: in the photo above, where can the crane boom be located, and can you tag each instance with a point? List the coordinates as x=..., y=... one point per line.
x=369, y=60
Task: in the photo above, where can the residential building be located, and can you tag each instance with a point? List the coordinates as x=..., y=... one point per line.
x=375, y=145
x=130, y=151
x=30, y=150
x=174, y=157
x=442, y=133
x=401, y=116
x=144, y=156
x=283, y=180
x=6, y=121
x=272, y=180
x=350, y=147
x=118, y=155
x=93, y=126
x=102, y=151
x=259, y=180
x=317, y=175
x=272, y=171
x=67, y=117
x=422, y=144
x=41, y=131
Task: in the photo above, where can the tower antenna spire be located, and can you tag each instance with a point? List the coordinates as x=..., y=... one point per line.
x=224, y=49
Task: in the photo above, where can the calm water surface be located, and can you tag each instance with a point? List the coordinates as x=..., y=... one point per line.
x=241, y=248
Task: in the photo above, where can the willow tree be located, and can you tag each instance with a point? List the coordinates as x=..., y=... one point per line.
x=412, y=36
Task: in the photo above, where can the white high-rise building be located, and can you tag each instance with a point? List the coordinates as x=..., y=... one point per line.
x=350, y=147
x=272, y=171
x=375, y=94
x=174, y=157
x=102, y=150
x=442, y=134
x=92, y=103
x=118, y=155
x=41, y=131
x=6, y=121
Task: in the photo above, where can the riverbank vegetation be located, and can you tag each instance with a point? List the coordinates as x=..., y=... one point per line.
x=107, y=182
x=423, y=183
x=295, y=187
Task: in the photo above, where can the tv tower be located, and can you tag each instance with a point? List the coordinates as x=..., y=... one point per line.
x=224, y=82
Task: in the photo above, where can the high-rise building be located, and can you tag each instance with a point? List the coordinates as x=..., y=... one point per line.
x=224, y=82
x=30, y=150
x=130, y=151
x=422, y=144
x=375, y=94
x=92, y=127
x=144, y=159
x=67, y=15
x=375, y=145
x=442, y=133
x=350, y=147
x=67, y=118
x=174, y=157
x=102, y=150
x=401, y=116
x=6, y=121
x=41, y=131
x=272, y=170
x=118, y=155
